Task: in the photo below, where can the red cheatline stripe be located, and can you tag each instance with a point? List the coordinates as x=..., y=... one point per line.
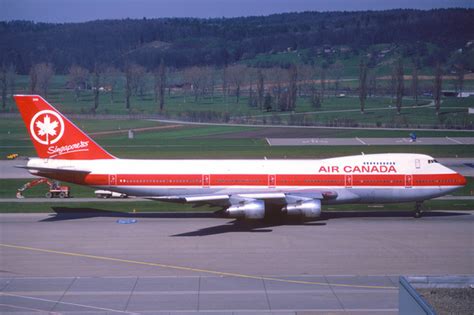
x=265, y=180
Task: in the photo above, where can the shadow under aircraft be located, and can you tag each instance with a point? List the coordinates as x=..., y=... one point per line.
x=235, y=225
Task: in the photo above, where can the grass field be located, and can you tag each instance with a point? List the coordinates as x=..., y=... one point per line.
x=180, y=104
x=191, y=141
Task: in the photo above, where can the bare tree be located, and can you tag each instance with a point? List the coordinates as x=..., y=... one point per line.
x=237, y=75
x=460, y=78
x=111, y=75
x=224, y=82
x=260, y=88
x=11, y=78
x=372, y=86
x=78, y=77
x=40, y=76
x=160, y=84
x=337, y=70
x=400, y=85
x=362, y=84
x=278, y=76
x=438, y=85
x=414, y=83
x=3, y=85
x=33, y=80
x=196, y=77
x=393, y=83
x=323, y=81
x=96, y=84
x=134, y=80
x=292, y=87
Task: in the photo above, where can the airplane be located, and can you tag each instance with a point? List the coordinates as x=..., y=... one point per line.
x=243, y=188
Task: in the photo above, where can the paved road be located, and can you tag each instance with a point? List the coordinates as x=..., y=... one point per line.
x=198, y=295
x=193, y=261
x=361, y=243
x=369, y=141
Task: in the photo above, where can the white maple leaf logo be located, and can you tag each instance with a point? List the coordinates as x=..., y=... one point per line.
x=47, y=128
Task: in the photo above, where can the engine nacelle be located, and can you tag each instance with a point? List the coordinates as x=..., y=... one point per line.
x=308, y=209
x=254, y=209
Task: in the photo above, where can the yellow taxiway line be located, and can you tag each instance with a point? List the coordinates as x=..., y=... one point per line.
x=191, y=269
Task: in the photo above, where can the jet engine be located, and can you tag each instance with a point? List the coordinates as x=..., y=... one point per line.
x=308, y=208
x=254, y=209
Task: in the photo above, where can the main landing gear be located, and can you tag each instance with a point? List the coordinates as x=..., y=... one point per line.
x=418, y=213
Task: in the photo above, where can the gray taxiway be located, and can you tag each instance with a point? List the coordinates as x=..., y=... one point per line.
x=169, y=263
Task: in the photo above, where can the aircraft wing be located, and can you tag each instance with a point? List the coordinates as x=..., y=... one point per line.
x=280, y=197
x=44, y=171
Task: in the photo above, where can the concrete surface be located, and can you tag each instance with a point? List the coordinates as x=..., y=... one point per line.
x=339, y=244
x=191, y=295
x=183, y=263
x=369, y=141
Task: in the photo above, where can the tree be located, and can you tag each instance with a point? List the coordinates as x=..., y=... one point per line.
x=78, y=77
x=438, y=85
x=414, y=83
x=96, y=85
x=196, y=76
x=111, y=75
x=362, y=84
x=315, y=97
x=337, y=70
x=3, y=85
x=134, y=81
x=460, y=78
x=324, y=68
x=224, y=82
x=40, y=76
x=278, y=76
x=160, y=84
x=399, y=85
x=11, y=78
x=260, y=89
x=292, y=87
x=268, y=102
x=237, y=75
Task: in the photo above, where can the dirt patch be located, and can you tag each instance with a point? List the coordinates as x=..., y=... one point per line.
x=450, y=301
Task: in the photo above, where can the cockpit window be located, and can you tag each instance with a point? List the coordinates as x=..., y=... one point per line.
x=432, y=161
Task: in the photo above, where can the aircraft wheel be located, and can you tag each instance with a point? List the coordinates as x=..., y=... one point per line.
x=418, y=210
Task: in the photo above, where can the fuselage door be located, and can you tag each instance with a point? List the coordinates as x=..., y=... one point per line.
x=348, y=181
x=206, y=180
x=408, y=181
x=417, y=163
x=112, y=179
x=271, y=181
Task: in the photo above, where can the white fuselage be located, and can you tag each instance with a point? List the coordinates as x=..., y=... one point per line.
x=355, y=179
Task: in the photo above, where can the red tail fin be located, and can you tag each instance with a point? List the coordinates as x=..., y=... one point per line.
x=53, y=135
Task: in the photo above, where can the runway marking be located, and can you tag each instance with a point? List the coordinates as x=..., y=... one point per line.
x=23, y=308
x=361, y=141
x=454, y=140
x=65, y=303
x=191, y=269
